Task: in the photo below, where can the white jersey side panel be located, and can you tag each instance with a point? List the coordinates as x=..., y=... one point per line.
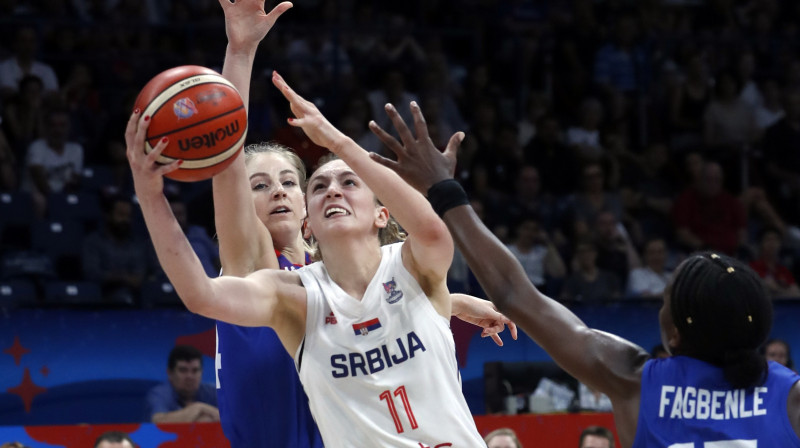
x=382, y=371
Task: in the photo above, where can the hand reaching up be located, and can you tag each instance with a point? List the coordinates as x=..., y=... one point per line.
x=419, y=162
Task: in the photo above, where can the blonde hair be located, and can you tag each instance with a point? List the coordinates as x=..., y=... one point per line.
x=255, y=149
x=392, y=233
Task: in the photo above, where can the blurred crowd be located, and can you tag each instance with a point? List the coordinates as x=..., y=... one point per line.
x=606, y=139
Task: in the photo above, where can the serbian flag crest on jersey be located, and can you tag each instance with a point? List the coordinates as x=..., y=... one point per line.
x=363, y=328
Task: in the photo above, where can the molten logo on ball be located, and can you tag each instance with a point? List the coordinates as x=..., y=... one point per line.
x=209, y=140
x=184, y=108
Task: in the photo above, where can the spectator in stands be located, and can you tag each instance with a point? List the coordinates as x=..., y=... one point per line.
x=782, y=160
x=8, y=164
x=615, y=251
x=647, y=190
x=585, y=137
x=13, y=69
x=622, y=65
x=537, y=254
x=205, y=248
x=184, y=398
x=592, y=198
x=729, y=124
x=777, y=277
x=502, y=438
x=23, y=116
x=779, y=351
x=588, y=283
x=114, y=439
x=770, y=111
x=554, y=160
x=688, y=102
x=529, y=199
x=708, y=217
x=650, y=279
x=53, y=163
x=113, y=256
x=596, y=437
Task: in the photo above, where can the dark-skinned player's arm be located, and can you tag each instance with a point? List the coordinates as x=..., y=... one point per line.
x=600, y=360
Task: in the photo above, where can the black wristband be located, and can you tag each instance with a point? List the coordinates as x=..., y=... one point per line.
x=445, y=195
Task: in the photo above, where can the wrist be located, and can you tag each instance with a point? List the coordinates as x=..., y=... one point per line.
x=445, y=195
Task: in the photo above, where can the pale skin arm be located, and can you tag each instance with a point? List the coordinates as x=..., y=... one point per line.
x=428, y=251
x=267, y=297
x=602, y=361
x=194, y=412
x=245, y=243
x=484, y=314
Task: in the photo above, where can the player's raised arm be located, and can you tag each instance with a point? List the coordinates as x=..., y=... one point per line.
x=602, y=361
x=251, y=301
x=430, y=243
x=245, y=243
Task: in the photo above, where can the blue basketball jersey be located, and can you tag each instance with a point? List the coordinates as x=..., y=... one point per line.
x=261, y=401
x=687, y=403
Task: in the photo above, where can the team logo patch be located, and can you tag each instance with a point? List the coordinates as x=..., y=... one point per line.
x=331, y=319
x=184, y=108
x=394, y=294
x=363, y=328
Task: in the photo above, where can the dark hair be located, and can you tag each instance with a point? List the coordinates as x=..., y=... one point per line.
x=763, y=350
x=113, y=437
x=598, y=431
x=183, y=353
x=723, y=314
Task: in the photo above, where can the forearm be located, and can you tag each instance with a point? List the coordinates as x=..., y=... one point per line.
x=174, y=252
x=407, y=205
x=244, y=241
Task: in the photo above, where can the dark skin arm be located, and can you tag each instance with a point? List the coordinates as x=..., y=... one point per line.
x=602, y=361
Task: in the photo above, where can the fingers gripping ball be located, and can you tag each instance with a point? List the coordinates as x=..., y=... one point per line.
x=201, y=113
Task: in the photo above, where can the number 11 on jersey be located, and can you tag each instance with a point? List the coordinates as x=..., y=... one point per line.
x=399, y=392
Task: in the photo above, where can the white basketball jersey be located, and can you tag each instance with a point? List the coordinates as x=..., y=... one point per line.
x=381, y=371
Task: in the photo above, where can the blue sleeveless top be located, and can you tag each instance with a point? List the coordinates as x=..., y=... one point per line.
x=687, y=403
x=261, y=401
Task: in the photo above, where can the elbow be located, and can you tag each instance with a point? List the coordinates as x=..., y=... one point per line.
x=432, y=230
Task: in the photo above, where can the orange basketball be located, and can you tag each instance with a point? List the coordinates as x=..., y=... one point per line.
x=201, y=113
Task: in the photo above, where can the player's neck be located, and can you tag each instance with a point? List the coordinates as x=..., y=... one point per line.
x=292, y=248
x=354, y=266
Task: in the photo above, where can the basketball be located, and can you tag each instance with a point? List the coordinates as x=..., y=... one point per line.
x=201, y=113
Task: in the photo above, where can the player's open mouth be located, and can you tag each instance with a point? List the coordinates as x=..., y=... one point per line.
x=334, y=211
x=280, y=210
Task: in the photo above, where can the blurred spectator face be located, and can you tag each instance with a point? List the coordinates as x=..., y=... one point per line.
x=655, y=255
x=777, y=351
x=57, y=129
x=606, y=226
x=770, y=245
x=179, y=210
x=711, y=180
x=30, y=90
x=656, y=155
x=527, y=232
x=591, y=114
x=25, y=43
x=586, y=255
x=119, y=219
x=591, y=441
x=593, y=178
x=185, y=377
x=694, y=166
x=747, y=65
x=548, y=130
x=501, y=441
x=528, y=182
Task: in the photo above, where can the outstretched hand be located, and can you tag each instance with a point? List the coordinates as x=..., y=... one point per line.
x=484, y=314
x=309, y=118
x=148, y=175
x=419, y=162
x=247, y=22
